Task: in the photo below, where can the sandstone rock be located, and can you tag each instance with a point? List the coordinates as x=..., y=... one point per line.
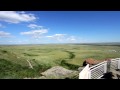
x=42, y=77
x=80, y=69
x=58, y=72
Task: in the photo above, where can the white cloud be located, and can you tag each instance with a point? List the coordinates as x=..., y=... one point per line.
x=56, y=35
x=4, y=34
x=71, y=39
x=59, y=37
x=64, y=38
x=16, y=17
x=11, y=41
x=34, y=26
x=19, y=41
x=35, y=33
x=22, y=12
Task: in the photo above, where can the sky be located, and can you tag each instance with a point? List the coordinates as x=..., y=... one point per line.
x=44, y=27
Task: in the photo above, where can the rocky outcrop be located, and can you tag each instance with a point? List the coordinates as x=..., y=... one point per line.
x=80, y=69
x=59, y=72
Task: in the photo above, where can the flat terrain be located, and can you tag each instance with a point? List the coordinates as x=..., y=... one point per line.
x=21, y=61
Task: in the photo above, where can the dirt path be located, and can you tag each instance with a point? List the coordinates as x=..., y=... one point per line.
x=30, y=64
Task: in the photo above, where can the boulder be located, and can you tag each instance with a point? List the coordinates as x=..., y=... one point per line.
x=80, y=69
x=59, y=72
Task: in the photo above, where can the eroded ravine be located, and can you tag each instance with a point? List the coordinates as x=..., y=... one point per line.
x=68, y=65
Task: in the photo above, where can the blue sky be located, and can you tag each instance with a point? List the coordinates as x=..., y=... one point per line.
x=39, y=27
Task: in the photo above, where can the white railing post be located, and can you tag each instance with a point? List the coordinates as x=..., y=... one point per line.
x=89, y=75
x=105, y=67
x=84, y=74
x=119, y=64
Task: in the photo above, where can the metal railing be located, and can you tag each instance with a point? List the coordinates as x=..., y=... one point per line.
x=98, y=70
x=114, y=64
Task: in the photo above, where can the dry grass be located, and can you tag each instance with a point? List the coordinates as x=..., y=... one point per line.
x=52, y=55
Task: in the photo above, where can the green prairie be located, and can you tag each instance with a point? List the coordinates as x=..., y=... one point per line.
x=14, y=58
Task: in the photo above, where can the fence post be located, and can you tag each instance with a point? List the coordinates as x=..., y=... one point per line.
x=89, y=75
x=105, y=67
x=119, y=64
x=108, y=65
x=84, y=74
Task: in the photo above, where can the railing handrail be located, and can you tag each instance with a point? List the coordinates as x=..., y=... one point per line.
x=96, y=67
x=100, y=64
x=114, y=59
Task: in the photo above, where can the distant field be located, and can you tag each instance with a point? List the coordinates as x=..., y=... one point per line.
x=14, y=64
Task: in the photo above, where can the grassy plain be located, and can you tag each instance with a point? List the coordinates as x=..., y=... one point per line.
x=14, y=64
